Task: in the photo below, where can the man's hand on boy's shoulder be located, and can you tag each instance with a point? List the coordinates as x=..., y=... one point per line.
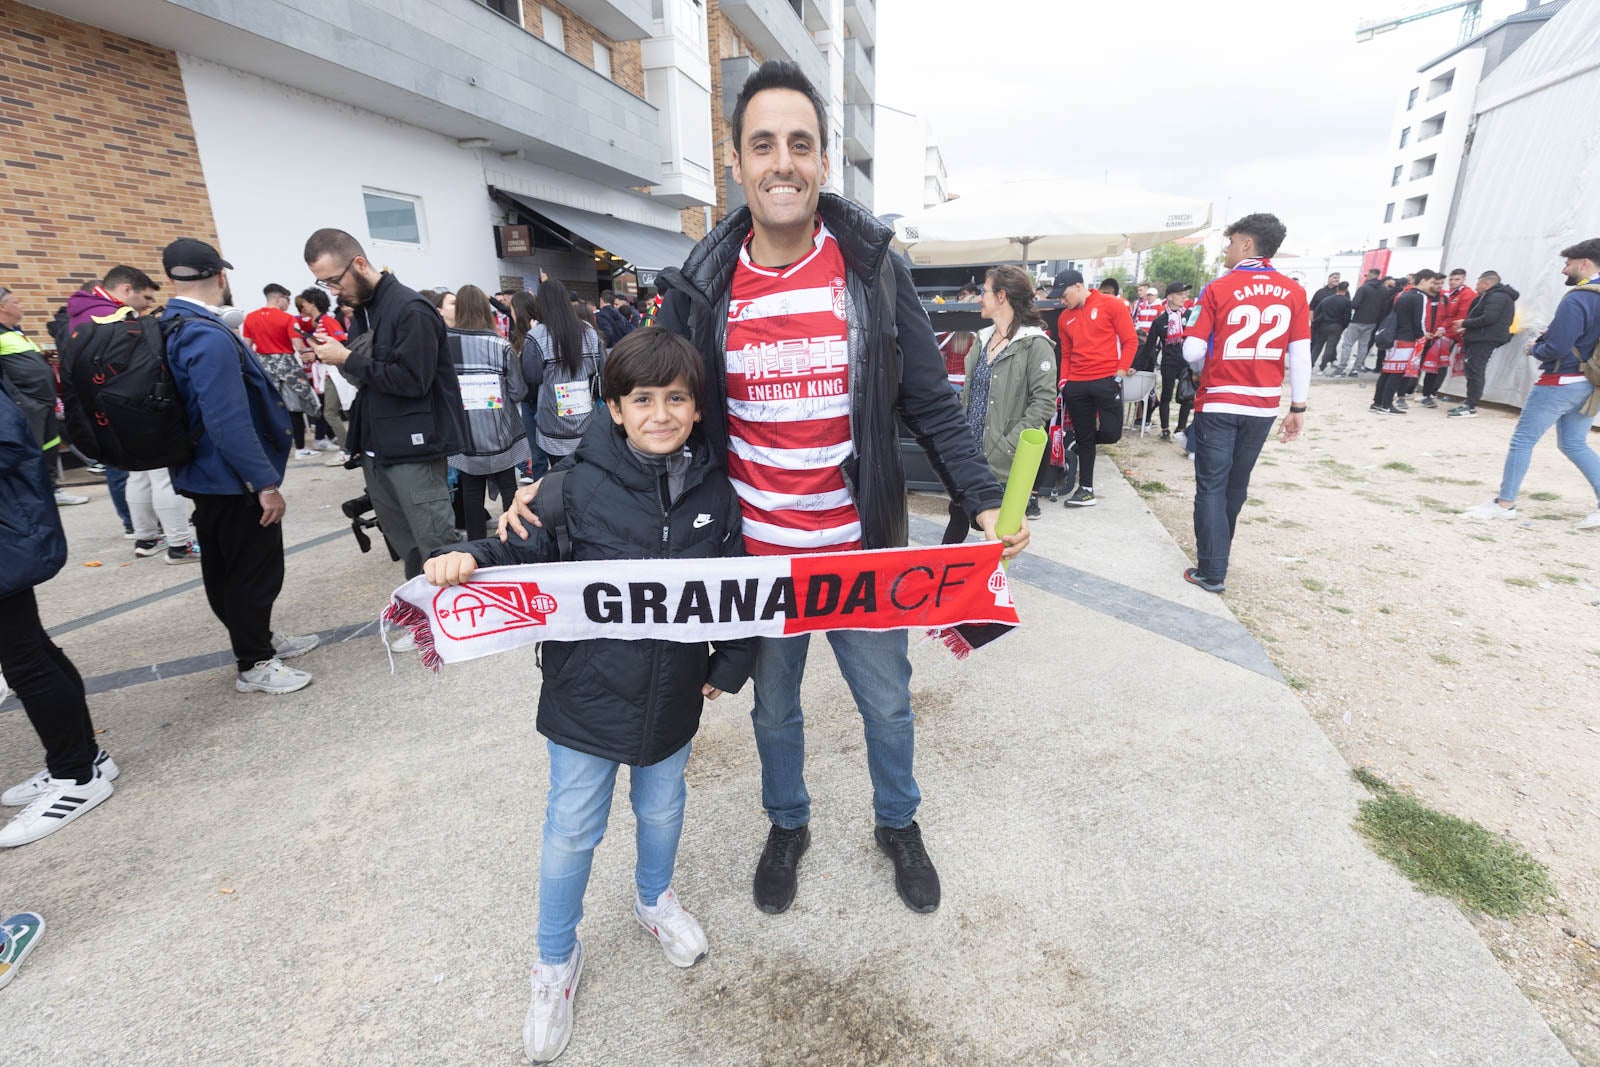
x=451, y=568
x=521, y=509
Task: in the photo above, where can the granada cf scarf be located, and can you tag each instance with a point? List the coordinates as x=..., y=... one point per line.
x=956, y=592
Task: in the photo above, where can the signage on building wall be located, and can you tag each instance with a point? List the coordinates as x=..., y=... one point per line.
x=514, y=241
x=623, y=284
x=647, y=278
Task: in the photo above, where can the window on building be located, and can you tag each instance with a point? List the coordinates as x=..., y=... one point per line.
x=1423, y=168
x=1414, y=206
x=509, y=9
x=1383, y=242
x=1408, y=241
x=1411, y=101
x=1431, y=127
x=1395, y=178
x=1440, y=85
x=1405, y=136
x=1388, y=213
x=393, y=217
x=551, y=29
x=602, y=59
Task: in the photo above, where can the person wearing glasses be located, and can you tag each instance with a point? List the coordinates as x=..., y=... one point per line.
x=407, y=416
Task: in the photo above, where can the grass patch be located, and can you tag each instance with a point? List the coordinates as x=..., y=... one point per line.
x=1383, y=501
x=1557, y=516
x=1385, y=611
x=1290, y=524
x=1445, y=661
x=1563, y=579
x=1435, y=504
x=1342, y=469
x=1314, y=584
x=1522, y=583
x=1454, y=481
x=1396, y=465
x=1544, y=494
x=1150, y=487
x=1483, y=537
x=1254, y=501
x=1340, y=608
x=1457, y=612
x=1451, y=857
x=1297, y=683
x=1287, y=485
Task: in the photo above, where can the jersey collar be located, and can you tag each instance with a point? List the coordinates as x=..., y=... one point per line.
x=818, y=239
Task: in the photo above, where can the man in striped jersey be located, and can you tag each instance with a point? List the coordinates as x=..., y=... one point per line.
x=815, y=342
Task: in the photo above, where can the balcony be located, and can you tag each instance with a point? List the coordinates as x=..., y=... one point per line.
x=859, y=75
x=861, y=20
x=858, y=187
x=453, y=67
x=858, y=132
x=735, y=72
x=776, y=30
x=620, y=20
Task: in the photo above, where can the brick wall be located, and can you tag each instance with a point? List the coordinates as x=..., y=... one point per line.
x=97, y=153
x=627, y=69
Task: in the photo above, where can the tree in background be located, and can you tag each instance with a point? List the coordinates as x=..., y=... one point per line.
x=1173, y=262
x=1120, y=274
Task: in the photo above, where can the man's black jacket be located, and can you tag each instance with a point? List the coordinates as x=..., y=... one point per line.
x=1370, y=304
x=409, y=406
x=613, y=324
x=895, y=367
x=1489, y=318
x=1332, y=311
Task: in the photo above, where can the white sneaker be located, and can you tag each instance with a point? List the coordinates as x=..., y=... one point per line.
x=1490, y=509
x=61, y=801
x=66, y=499
x=548, y=1027
x=1180, y=438
x=304, y=453
x=1592, y=522
x=680, y=935
x=288, y=647
x=324, y=444
x=338, y=459
x=271, y=676
x=29, y=791
x=406, y=642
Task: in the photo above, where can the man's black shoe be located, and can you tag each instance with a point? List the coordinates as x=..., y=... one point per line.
x=1193, y=576
x=1033, y=511
x=914, y=877
x=777, y=872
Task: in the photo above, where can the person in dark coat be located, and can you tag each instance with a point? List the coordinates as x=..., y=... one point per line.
x=607, y=703
x=1328, y=321
x=1325, y=291
x=1485, y=328
x=1368, y=305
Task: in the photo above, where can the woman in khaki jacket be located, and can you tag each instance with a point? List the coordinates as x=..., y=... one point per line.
x=1011, y=372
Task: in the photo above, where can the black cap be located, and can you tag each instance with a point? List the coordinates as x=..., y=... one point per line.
x=1063, y=280
x=189, y=259
x=1177, y=287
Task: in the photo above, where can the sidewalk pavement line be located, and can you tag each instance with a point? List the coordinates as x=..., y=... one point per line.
x=162, y=594
x=1224, y=638
x=177, y=668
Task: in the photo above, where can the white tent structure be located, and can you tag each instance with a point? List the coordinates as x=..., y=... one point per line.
x=1528, y=187
x=1032, y=219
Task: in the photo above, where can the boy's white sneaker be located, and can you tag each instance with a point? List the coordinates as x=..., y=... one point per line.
x=1591, y=522
x=680, y=935
x=548, y=1027
x=29, y=791
x=1490, y=509
x=62, y=801
x=271, y=676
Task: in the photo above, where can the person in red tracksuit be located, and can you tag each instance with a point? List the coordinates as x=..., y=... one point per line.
x=1098, y=344
x=1454, y=301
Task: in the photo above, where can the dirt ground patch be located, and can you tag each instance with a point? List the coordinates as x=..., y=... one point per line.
x=1459, y=660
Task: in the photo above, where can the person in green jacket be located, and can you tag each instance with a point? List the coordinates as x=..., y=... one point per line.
x=1011, y=372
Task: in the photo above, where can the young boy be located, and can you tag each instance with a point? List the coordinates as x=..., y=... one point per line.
x=643, y=486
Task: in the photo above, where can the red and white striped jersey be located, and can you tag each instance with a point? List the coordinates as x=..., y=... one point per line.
x=1145, y=313
x=789, y=403
x=1248, y=318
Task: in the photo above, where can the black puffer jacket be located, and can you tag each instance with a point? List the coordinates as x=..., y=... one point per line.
x=634, y=702
x=409, y=407
x=1490, y=316
x=32, y=544
x=1370, y=303
x=895, y=367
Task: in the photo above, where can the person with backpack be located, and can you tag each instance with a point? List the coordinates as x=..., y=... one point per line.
x=241, y=448
x=492, y=389
x=561, y=360
x=643, y=484
x=25, y=369
x=1566, y=394
x=33, y=548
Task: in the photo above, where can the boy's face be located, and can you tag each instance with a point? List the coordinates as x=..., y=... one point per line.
x=657, y=418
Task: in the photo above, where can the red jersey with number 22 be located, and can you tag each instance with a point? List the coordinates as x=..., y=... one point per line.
x=1248, y=318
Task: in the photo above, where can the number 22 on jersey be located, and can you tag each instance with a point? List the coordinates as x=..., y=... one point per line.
x=1255, y=331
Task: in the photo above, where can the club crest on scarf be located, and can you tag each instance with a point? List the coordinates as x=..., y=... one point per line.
x=484, y=608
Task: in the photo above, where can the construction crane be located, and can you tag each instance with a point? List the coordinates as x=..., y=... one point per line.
x=1471, y=15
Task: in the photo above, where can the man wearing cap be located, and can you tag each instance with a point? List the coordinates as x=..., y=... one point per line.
x=1165, y=339
x=236, y=470
x=1097, y=349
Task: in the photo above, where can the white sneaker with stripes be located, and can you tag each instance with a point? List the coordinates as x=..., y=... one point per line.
x=62, y=801
x=682, y=939
x=29, y=791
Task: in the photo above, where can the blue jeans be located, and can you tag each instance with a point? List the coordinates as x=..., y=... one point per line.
x=876, y=669
x=539, y=462
x=117, y=482
x=575, y=817
x=1547, y=406
x=1225, y=451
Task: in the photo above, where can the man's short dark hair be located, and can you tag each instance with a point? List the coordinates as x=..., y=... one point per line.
x=1111, y=285
x=1424, y=275
x=329, y=241
x=1495, y=275
x=1462, y=271
x=1589, y=250
x=1342, y=287
x=779, y=74
x=125, y=275
x=272, y=289
x=607, y=296
x=650, y=358
x=1374, y=273
x=316, y=298
x=1264, y=230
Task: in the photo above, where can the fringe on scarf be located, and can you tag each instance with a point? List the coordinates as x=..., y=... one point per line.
x=958, y=645
x=413, y=618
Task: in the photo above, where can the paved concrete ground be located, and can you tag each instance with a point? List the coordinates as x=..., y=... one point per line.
x=1144, y=841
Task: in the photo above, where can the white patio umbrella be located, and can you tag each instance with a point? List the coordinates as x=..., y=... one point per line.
x=1033, y=219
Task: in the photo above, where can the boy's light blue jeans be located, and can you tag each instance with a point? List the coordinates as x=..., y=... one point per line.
x=575, y=817
x=1547, y=406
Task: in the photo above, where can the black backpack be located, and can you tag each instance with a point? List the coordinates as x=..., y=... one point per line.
x=122, y=405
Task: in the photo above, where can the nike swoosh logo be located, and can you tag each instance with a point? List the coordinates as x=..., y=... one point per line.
x=702, y=520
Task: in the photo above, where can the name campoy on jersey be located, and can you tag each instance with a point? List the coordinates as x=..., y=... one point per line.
x=1248, y=318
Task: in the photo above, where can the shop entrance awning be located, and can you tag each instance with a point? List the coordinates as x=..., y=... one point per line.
x=645, y=247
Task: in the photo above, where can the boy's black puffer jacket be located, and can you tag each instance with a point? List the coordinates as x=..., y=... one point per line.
x=634, y=702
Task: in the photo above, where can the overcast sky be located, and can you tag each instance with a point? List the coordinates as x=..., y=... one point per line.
x=1257, y=106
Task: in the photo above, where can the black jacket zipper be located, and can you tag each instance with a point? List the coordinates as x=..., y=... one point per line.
x=655, y=646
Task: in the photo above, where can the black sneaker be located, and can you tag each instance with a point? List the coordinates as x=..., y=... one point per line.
x=1428, y=402
x=149, y=548
x=914, y=877
x=777, y=872
x=1033, y=511
x=1463, y=412
x=1376, y=410
x=1397, y=409
x=1400, y=405
x=1055, y=494
x=1166, y=435
x=1193, y=576
x=1083, y=498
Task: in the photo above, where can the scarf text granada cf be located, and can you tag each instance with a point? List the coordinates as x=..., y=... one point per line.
x=958, y=592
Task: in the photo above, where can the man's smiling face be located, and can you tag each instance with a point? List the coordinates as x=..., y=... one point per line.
x=780, y=162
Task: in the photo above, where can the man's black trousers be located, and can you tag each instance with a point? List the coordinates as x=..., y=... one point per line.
x=241, y=562
x=50, y=688
x=1096, y=410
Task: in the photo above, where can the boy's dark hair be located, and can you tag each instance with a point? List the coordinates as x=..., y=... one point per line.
x=779, y=74
x=1342, y=287
x=316, y=298
x=1265, y=230
x=125, y=275
x=651, y=357
x=274, y=289
x=1589, y=249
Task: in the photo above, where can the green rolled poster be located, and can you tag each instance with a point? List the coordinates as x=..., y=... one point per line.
x=1019, y=486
